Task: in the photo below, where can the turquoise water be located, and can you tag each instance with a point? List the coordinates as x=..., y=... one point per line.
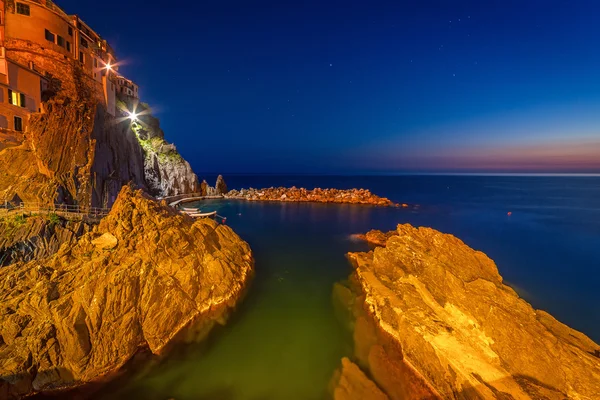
x=284, y=342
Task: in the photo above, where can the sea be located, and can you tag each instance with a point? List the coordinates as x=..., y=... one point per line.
x=284, y=341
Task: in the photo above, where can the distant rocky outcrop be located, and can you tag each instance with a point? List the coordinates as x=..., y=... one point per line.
x=433, y=319
x=220, y=185
x=25, y=238
x=220, y=188
x=145, y=277
x=318, y=195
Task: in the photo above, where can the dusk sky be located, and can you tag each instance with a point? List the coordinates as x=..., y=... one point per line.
x=366, y=87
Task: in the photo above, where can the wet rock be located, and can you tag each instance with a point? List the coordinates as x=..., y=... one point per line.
x=436, y=321
x=352, y=384
x=82, y=313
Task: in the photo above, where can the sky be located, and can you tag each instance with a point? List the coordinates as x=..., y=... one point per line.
x=365, y=86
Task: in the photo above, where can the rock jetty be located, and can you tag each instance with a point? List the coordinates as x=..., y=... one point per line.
x=433, y=319
x=144, y=278
x=317, y=195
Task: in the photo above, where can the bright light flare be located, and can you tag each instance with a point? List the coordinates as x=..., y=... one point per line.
x=133, y=116
x=108, y=67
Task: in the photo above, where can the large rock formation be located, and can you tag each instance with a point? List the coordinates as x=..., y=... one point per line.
x=434, y=320
x=25, y=238
x=143, y=277
x=75, y=152
x=166, y=172
x=317, y=195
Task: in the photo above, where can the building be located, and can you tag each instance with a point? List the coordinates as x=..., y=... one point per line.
x=127, y=87
x=42, y=26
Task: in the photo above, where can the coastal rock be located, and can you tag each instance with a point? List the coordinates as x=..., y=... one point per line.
x=317, y=195
x=434, y=320
x=352, y=384
x=221, y=186
x=204, y=188
x=83, y=312
x=375, y=237
x=25, y=238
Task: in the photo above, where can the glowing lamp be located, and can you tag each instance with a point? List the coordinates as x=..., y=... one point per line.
x=108, y=67
x=133, y=116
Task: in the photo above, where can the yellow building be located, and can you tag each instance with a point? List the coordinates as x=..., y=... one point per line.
x=40, y=24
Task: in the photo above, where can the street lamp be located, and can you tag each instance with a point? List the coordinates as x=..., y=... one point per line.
x=133, y=116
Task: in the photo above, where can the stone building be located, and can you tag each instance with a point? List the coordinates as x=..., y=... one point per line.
x=127, y=87
x=34, y=36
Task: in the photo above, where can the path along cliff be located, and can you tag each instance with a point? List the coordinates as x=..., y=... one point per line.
x=432, y=319
x=145, y=277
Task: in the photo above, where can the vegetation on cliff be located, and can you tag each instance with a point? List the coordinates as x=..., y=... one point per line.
x=433, y=319
x=144, y=276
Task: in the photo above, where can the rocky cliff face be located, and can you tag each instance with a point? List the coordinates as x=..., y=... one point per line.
x=75, y=152
x=145, y=276
x=166, y=172
x=24, y=239
x=434, y=320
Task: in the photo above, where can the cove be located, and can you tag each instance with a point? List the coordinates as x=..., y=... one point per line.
x=284, y=340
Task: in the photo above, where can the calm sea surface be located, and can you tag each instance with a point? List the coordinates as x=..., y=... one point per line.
x=284, y=341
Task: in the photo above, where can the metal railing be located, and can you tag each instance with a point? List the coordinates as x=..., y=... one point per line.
x=64, y=210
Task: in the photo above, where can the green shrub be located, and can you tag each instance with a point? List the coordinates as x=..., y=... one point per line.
x=53, y=218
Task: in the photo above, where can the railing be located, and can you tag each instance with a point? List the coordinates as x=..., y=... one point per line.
x=64, y=210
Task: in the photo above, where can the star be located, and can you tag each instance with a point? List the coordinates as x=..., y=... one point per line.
x=331, y=65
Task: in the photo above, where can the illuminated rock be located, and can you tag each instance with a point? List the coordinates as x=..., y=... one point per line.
x=434, y=320
x=83, y=312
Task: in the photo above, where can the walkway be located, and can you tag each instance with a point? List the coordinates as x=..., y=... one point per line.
x=63, y=210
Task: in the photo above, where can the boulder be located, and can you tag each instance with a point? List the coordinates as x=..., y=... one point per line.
x=82, y=313
x=106, y=242
x=435, y=320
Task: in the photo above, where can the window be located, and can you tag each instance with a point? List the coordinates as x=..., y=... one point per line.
x=50, y=36
x=15, y=98
x=60, y=41
x=23, y=9
x=18, y=124
x=95, y=63
x=81, y=58
x=70, y=31
x=84, y=43
x=68, y=46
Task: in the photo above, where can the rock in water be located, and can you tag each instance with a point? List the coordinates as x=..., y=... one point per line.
x=434, y=320
x=204, y=188
x=83, y=312
x=220, y=185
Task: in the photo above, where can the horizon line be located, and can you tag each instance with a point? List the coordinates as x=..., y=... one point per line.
x=531, y=174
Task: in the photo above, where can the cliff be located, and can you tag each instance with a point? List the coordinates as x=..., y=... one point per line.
x=142, y=278
x=28, y=238
x=433, y=319
x=75, y=152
